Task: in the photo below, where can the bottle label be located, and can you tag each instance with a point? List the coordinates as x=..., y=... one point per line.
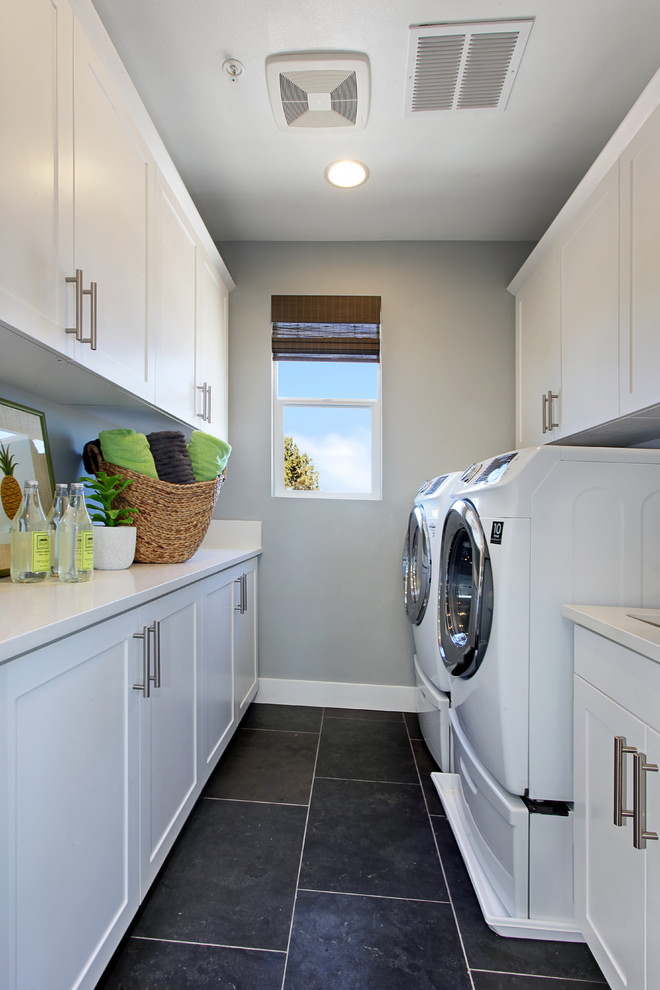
x=40, y=552
x=85, y=550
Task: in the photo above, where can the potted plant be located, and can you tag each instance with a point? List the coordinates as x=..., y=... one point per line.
x=114, y=532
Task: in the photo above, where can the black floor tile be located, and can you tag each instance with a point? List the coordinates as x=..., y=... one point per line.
x=292, y=718
x=506, y=981
x=487, y=951
x=366, y=750
x=372, y=908
x=262, y=765
x=371, y=715
x=231, y=879
x=426, y=765
x=149, y=965
x=367, y=837
x=369, y=943
x=412, y=722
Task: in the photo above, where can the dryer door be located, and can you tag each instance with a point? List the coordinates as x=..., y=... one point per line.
x=416, y=566
x=465, y=594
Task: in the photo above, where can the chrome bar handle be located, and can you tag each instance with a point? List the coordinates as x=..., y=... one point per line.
x=156, y=631
x=640, y=769
x=91, y=340
x=208, y=417
x=242, y=602
x=203, y=388
x=544, y=413
x=551, y=398
x=621, y=747
x=146, y=662
x=245, y=592
x=152, y=678
x=77, y=280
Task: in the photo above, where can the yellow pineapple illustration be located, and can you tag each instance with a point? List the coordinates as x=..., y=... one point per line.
x=10, y=490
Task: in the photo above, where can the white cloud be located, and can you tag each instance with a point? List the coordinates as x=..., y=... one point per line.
x=342, y=460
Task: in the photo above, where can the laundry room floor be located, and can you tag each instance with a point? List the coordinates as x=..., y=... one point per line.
x=319, y=858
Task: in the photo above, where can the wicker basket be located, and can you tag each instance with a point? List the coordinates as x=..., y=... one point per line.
x=173, y=519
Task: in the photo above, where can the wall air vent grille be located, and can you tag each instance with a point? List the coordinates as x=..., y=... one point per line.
x=319, y=90
x=464, y=66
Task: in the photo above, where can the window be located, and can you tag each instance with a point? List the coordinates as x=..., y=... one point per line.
x=326, y=396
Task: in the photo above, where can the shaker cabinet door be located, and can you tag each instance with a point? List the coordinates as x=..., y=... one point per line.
x=168, y=724
x=71, y=847
x=35, y=124
x=111, y=200
x=640, y=262
x=609, y=872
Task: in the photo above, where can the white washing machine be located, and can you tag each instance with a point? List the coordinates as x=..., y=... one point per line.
x=421, y=555
x=527, y=531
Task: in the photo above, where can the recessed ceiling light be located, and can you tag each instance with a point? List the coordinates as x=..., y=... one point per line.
x=347, y=174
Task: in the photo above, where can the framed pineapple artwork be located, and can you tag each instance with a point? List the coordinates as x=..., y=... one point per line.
x=24, y=454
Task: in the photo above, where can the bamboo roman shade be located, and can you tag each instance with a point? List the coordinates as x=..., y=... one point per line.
x=326, y=328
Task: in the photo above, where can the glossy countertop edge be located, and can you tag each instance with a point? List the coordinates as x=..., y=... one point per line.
x=616, y=623
x=33, y=615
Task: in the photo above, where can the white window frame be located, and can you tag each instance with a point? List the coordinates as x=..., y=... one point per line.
x=277, y=450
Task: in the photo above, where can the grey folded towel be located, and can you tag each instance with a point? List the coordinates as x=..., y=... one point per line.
x=172, y=460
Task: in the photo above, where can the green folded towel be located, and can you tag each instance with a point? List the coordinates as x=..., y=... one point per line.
x=128, y=449
x=208, y=455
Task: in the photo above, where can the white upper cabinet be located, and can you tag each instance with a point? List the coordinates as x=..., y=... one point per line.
x=175, y=251
x=190, y=321
x=35, y=44
x=640, y=265
x=590, y=311
x=598, y=314
x=538, y=362
x=212, y=357
x=567, y=327
x=101, y=259
x=112, y=172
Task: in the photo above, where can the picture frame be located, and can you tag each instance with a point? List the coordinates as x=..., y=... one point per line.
x=23, y=434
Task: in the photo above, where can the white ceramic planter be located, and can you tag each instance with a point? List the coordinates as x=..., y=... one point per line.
x=114, y=547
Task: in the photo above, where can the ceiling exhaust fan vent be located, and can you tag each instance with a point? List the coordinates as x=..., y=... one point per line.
x=311, y=90
x=470, y=66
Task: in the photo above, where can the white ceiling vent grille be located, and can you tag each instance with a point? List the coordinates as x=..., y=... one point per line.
x=464, y=66
x=319, y=90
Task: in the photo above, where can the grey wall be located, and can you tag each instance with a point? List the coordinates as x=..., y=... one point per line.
x=330, y=587
x=69, y=427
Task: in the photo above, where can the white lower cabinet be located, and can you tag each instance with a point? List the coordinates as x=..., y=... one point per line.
x=70, y=823
x=216, y=709
x=166, y=686
x=245, y=636
x=617, y=809
x=109, y=735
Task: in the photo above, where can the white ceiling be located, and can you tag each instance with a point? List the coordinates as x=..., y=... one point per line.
x=468, y=175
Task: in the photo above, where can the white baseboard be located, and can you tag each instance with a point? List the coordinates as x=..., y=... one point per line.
x=336, y=694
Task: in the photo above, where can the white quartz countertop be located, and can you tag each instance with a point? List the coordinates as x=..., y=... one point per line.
x=637, y=629
x=32, y=615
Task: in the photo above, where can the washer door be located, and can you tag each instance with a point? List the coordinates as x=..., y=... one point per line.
x=465, y=596
x=416, y=566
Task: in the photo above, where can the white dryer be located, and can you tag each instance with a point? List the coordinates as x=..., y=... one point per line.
x=527, y=531
x=421, y=570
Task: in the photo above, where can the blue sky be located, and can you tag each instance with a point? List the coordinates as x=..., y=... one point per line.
x=337, y=440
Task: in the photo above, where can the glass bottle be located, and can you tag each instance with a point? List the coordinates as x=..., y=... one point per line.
x=76, y=539
x=54, y=517
x=30, y=539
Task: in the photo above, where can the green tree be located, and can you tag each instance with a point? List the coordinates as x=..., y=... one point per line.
x=299, y=471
